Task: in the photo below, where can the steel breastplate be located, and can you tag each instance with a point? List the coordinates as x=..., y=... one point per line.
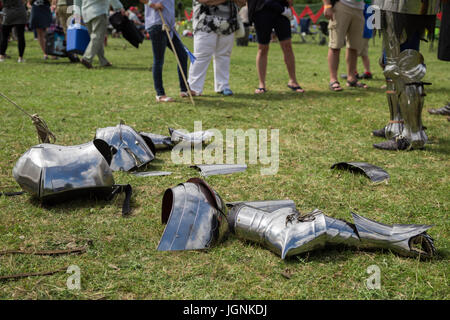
x=48, y=170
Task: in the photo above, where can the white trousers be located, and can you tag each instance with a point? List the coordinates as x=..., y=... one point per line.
x=207, y=45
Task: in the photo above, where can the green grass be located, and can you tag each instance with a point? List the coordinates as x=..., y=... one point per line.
x=316, y=130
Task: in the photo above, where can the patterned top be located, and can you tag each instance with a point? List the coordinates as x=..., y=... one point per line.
x=220, y=18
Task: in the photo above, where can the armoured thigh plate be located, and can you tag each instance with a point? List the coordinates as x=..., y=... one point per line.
x=286, y=232
x=48, y=171
x=195, y=216
x=133, y=150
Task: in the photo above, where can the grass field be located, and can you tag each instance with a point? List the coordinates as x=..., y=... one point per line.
x=316, y=130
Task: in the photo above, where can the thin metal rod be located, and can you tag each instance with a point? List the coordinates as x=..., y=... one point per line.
x=16, y=105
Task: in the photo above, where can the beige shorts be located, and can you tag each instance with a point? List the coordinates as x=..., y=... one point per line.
x=347, y=26
x=365, y=49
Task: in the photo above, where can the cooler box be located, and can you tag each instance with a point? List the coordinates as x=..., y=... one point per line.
x=77, y=38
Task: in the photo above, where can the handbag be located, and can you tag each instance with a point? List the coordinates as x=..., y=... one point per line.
x=55, y=42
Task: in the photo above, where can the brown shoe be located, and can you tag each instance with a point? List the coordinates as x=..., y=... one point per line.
x=86, y=63
x=109, y=64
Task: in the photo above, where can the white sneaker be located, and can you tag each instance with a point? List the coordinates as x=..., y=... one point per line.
x=21, y=60
x=2, y=59
x=287, y=13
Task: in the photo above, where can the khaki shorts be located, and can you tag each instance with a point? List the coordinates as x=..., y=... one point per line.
x=63, y=16
x=365, y=50
x=347, y=26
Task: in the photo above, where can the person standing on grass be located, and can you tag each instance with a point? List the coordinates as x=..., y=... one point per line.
x=364, y=53
x=40, y=20
x=158, y=36
x=346, y=26
x=15, y=17
x=214, y=23
x=95, y=15
x=266, y=19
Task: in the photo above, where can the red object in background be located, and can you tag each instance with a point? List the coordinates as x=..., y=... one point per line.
x=188, y=16
x=439, y=16
x=307, y=10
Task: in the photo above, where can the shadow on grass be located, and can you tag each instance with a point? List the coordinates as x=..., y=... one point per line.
x=68, y=205
x=336, y=253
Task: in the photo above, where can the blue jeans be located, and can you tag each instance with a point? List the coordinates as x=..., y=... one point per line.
x=159, y=43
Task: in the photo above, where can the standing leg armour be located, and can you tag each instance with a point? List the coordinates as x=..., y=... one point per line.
x=404, y=70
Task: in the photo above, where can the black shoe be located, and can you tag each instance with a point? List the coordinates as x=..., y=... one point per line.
x=366, y=75
x=73, y=57
x=393, y=144
x=445, y=111
x=379, y=133
x=86, y=63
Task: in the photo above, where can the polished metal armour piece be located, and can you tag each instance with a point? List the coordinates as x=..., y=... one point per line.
x=132, y=150
x=195, y=216
x=49, y=170
x=287, y=232
x=419, y=7
x=405, y=92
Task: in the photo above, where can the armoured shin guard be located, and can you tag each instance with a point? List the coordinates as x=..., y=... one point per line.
x=411, y=105
x=286, y=232
x=395, y=126
x=391, y=45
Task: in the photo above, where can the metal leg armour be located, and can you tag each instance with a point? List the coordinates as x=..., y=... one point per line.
x=198, y=218
x=391, y=44
x=404, y=71
x=411, y=104
x=287, y=232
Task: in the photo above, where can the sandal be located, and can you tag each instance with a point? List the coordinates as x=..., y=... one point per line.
x=164, y=99
x=335, y=86
x=296, y=88
x=356, y=84
x=260, y=90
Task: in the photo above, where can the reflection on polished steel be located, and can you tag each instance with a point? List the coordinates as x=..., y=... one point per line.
x=287, y=232
x=374, y=173
x=419, y=7
x=48, y=170
x=177, y=136
x=159, y=141
x=266, y=205
x=196, y=217
x=215, y=169
x=133, y=151
x=193, y=137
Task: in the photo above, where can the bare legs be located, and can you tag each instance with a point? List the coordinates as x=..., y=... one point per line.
x=289, y=60
x=366, y=63
x=333, y=63
x=41, y=39
x=261, y=64
x=351, y=58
